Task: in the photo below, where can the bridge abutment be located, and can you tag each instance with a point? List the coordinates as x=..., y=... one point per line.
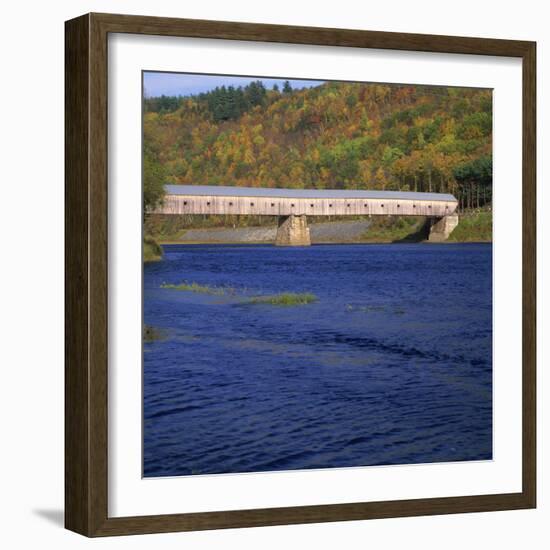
x=441, y=228
x=293, y=231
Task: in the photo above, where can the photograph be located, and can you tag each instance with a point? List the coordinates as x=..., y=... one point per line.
x=317, y=274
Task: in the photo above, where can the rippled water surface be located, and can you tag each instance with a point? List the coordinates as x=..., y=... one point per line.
x=392, y=364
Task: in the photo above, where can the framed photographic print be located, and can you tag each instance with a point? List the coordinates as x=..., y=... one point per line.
x=300, y=275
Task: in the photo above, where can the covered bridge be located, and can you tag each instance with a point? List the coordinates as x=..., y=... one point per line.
x=293, y=205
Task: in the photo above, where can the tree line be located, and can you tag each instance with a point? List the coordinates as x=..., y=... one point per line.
x=223, y=102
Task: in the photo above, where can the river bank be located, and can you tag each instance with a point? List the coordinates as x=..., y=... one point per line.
x=474, y=226
x=152, y=251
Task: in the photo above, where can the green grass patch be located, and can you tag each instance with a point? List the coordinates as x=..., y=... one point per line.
x=474, y=226
x=152, y=251
x=285, y=299
x=391, y=229
x=282, y=299
x=200, y=289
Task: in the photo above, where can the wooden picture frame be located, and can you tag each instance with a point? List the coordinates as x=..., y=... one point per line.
x=86, y=224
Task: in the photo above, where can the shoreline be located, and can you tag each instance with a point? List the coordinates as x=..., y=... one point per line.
x=475, y=227
x=323, y=243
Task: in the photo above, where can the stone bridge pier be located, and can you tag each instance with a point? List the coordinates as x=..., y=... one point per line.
x=293, y=231
x=441, y=228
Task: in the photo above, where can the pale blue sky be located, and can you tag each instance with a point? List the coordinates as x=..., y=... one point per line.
x=157, y=84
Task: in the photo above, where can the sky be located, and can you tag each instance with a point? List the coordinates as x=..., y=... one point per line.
x=157, y=84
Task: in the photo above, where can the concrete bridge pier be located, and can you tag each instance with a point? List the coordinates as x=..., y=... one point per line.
x=441, y=228
x=293, y=231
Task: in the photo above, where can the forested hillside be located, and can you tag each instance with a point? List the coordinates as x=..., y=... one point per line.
x=336, y=135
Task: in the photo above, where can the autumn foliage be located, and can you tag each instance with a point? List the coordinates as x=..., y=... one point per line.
x=333, y=136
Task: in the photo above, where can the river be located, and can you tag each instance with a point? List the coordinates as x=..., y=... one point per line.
x=391, y=365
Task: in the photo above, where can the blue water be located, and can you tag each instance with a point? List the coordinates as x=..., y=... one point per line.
x=392, y=365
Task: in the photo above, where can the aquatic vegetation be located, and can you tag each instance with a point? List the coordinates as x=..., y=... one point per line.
x=285, y=299
x=282, y=299
x=152, y=334
x=365, y=309
x=200, y=289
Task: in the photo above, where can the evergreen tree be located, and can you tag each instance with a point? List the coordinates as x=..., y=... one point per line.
x=255, y=93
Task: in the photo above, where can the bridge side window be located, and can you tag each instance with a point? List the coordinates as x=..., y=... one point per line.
x=230, y=204
x=184, y=203
x=349, y=205
x=382, y=205
x=414, y=205
x=251, y=204
x=272, y=204
x=292, y=205
x=398, y=205
x=330, y=205
x=311, y=205
x=207, y=204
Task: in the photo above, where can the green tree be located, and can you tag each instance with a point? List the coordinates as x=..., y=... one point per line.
x=475, y=179
x=255, y=93
x=153, y=182
x=390, y=155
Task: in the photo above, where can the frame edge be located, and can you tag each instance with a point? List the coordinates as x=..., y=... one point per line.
x=529, y=274
x=86, y=480
x=77, y=460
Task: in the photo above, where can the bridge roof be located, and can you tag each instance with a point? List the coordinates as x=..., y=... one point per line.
x=230, y=191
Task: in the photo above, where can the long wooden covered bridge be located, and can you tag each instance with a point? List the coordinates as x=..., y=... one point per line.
x=292, y=206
